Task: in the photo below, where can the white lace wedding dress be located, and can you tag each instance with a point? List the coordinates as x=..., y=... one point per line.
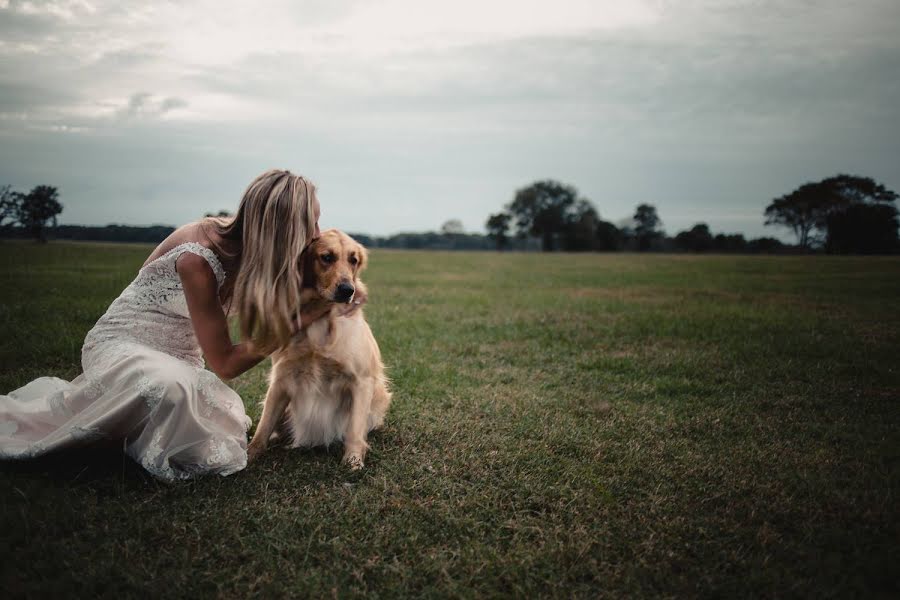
x=143, y=386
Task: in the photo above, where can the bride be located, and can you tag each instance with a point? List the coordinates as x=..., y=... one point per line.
x=144, y=383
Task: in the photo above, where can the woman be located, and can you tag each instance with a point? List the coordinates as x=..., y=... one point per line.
x=144, y=383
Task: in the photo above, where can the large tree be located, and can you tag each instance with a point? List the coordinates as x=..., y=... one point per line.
x=853, y=189
x=580, y=231
x=38, y=207
x=809, y=209
x=498, y=228
x=863, y=219
x=802, y=211
x=544, y=209
x=646, y=226
x=863, y=229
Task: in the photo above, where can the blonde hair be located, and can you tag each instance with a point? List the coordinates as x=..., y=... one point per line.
x=273, y=224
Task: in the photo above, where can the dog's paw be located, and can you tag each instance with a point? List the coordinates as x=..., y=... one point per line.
x=254, y=452
x=354, y=460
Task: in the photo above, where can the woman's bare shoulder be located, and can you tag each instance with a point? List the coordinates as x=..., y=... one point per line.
x=186, y=233
x=196, y=269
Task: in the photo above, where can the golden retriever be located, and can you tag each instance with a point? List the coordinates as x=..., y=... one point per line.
x=329, y=383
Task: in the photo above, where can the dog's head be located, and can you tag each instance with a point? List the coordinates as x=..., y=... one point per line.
x=332, y=264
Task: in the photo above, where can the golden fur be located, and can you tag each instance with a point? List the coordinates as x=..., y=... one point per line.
x=328, y=384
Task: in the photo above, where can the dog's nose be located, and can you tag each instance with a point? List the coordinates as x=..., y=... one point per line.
x=344, y=292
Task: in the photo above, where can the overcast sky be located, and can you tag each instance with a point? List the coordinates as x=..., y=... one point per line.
x=408, y=113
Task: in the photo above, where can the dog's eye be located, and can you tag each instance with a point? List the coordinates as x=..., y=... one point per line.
x=328, y=258
x=353, y=260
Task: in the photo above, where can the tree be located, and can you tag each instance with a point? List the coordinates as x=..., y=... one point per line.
x=9, y=206
x=608, y=237
x=853, y=189
x=497, y=226
x=697, y=239
x=734, y=242
x=580, y=231
x=765, y=245
x=807, y=209
x=863, y=229
x=802, y=211
x=452, y=227
x=543, y=210
x=221, y=214
x=646, y=223
x=40, y=205
x=862, y=218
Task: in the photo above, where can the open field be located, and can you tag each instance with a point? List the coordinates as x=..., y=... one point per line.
x=563, y=425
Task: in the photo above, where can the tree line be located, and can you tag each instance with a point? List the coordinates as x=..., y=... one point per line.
x=34, y=215
x=841, y=214
x=554, y=213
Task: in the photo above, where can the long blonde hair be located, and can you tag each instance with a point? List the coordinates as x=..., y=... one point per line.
x=273, y=224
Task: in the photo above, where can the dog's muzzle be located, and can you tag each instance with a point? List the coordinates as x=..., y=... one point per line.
x=344, y=292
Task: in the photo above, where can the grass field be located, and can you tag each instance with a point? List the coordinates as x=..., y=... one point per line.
x=563, y=425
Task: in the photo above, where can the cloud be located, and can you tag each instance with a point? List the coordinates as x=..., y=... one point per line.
x=143, y=105
x=60, y=9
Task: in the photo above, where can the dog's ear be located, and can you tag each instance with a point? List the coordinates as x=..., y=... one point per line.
x=307, y=264
x=363, y=256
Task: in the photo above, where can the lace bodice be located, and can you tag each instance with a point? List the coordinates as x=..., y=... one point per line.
x=151, y=311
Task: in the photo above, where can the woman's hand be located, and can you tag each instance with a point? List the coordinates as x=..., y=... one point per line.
x=309, y=312
x=314, y=310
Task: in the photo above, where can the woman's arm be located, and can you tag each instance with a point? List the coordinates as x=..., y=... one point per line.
x=225, y=358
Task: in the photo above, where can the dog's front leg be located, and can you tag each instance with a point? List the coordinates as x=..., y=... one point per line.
x=277, y=399
x=355, y=445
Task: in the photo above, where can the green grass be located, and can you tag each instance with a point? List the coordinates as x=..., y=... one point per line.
x=563, y=425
